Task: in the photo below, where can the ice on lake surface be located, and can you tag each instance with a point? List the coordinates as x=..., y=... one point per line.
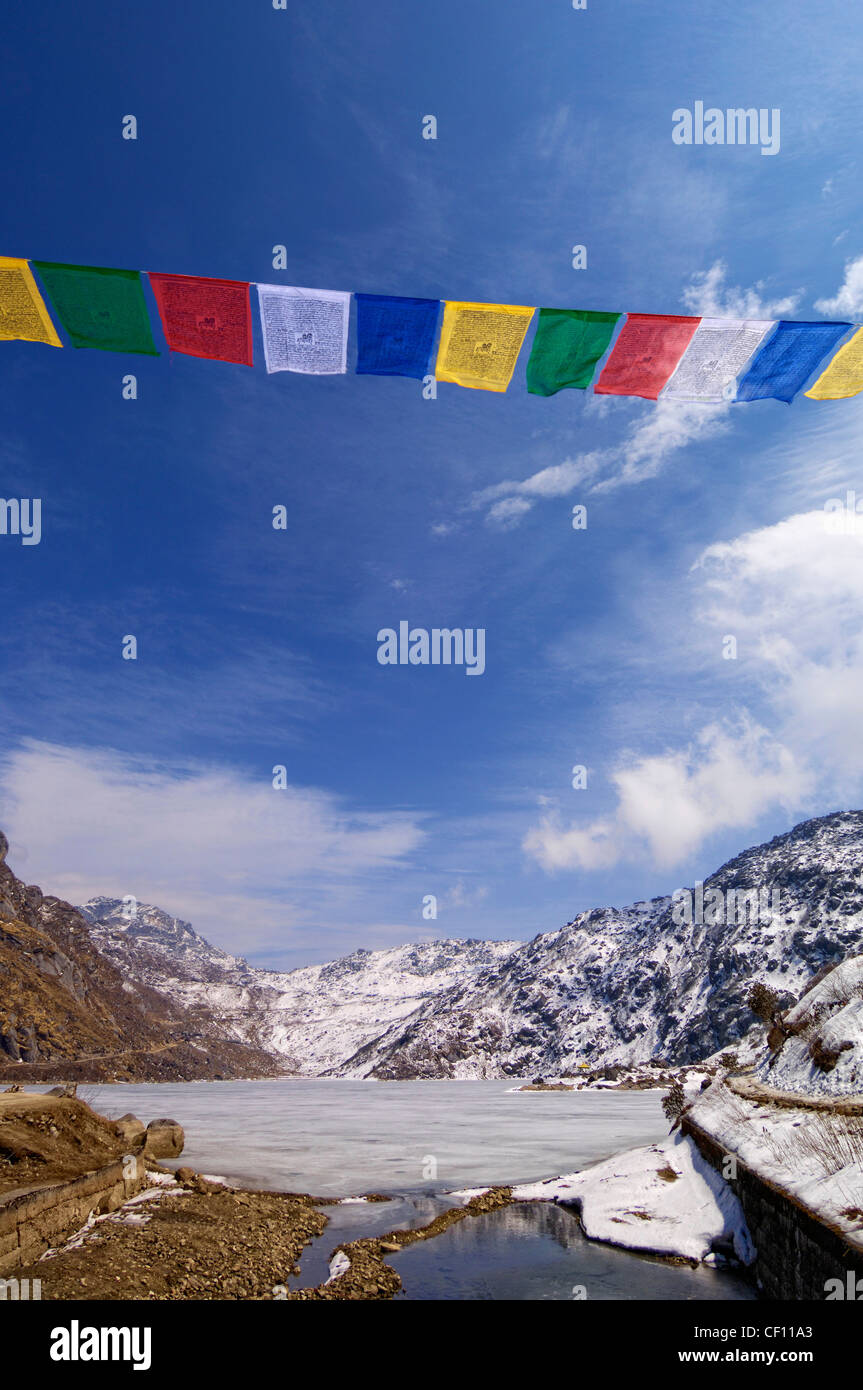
x=335, y=1138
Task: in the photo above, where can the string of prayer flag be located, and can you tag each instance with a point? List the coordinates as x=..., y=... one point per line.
x=647, y=351
x=23, y=315
x=566, y=348
x=205, y=318
x=480, y=343
x=304, y=330
x=98, y=307
x=667, y=356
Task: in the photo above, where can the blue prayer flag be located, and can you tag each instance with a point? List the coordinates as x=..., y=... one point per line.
x=787, y=360
x=395, y=336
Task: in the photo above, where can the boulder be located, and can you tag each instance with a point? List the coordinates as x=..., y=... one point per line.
x=132, y=1132
x=164, y=1139
x=194, y=1182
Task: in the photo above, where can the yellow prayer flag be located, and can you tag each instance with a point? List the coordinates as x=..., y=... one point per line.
x=479, y=343
x=843, y=375
x=22, y=309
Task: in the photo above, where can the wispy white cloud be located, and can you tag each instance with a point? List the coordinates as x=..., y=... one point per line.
x=670, y=426
x=557, y=480
x=848, y=299
x=668, y=804
x=792, y=596
x=464, y=895
x=508, y=512
x=652, y=439
x=250, y=865
x=708, y=294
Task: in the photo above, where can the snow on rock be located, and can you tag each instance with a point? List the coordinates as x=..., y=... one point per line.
x=339, y=1264
x=814, y=1155
x=162, y=1185
x=823, y=1056
x=664, y=1199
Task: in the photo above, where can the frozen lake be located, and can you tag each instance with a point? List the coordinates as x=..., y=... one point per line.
x=417, y=1140
x=339, y=1138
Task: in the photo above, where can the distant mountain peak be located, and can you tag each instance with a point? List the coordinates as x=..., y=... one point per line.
x=614, y=985
x=310, y=1018
x=156, y=930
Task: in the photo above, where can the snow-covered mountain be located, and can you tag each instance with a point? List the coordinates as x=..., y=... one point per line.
x=626, y=985
x=68, y=1014
x=310, y=1019
x=123, y=927
x=663, y=979
x=816, y=1047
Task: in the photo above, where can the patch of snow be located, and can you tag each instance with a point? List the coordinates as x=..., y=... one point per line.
x=815, y=1156
x=339, y=1264
x=827, y=1021
x=664, y=1199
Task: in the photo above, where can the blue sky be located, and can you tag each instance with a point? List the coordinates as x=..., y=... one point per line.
x=258, y=647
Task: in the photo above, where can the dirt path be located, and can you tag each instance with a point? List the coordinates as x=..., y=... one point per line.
x=749, y=1088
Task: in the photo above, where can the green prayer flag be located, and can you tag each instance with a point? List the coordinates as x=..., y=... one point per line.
x=99, y=308
x=567, y=346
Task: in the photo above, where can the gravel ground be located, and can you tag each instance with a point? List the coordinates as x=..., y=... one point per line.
x=216, y=1244
x=201, y=1240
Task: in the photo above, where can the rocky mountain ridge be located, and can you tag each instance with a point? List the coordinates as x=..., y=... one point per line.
x=624, y=986
x=66, y=1012
x=310, y=1019
x=664, y=980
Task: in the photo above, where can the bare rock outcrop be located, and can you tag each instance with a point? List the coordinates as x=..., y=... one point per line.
x=164, y=1139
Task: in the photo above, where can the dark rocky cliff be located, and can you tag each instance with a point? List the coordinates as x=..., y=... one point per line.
x=66, y=1011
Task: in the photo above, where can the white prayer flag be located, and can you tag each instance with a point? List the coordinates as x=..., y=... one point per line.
x=304, y=330
x=717, y=353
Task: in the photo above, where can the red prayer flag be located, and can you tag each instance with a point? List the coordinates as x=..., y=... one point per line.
x=205, y=318
x=647, y=351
